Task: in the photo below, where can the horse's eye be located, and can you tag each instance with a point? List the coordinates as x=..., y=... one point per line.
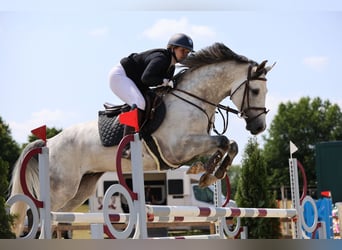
x=255, y=91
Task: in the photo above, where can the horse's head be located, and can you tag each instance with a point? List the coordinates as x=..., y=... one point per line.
x=250, y=97
x=217, y=72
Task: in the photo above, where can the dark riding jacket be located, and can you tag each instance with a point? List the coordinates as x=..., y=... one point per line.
x=149, y=68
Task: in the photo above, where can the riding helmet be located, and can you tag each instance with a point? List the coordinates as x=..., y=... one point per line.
x=181, y=40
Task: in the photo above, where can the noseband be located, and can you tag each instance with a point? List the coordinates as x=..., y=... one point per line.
x=220, y=107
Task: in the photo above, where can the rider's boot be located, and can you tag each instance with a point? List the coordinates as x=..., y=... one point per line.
x=128, y=130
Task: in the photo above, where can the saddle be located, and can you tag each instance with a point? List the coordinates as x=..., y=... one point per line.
x=110, y=129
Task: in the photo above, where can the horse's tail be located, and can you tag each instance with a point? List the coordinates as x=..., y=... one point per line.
x=32, y=180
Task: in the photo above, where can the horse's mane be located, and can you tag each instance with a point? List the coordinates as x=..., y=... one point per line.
x=215, y=53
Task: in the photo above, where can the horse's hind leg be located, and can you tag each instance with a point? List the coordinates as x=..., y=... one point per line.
x=227, y=161
x=85, y=190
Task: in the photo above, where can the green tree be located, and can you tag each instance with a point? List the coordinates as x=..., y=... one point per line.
x=6, y=220
x=9, y=149
x=9, y=152
x=234, y=173
x=305, y=123
x=253, y=191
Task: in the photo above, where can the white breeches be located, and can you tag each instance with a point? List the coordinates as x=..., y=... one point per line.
x=125, y=88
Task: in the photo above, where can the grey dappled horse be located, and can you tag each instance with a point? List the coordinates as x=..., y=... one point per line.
x=77, y=159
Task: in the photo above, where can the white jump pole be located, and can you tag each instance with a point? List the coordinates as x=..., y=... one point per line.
x=138, y=185
x=218, y=203
x=44, y=182
x=219, y=212
x=296, y=224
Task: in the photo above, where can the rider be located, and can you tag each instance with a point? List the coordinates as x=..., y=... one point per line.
x=132, y=77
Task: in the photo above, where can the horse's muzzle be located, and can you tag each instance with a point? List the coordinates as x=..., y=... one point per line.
x=256, y=126
x=256, y=121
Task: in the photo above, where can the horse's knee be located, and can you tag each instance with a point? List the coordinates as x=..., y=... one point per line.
x=223, y=143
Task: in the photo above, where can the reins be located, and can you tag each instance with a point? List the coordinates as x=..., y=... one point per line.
x=220, y=108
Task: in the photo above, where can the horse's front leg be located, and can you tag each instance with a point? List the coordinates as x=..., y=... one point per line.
x=208, y=178
x=205, y=145
x=227, y=161
x=208, y=166
x=182, y=149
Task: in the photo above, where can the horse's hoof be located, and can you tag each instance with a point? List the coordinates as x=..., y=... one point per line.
x=207, y=180
x=220, y=173
x=233, y=149
x=196, y=168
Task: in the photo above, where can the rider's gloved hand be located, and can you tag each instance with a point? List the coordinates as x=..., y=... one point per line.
x=167, y=82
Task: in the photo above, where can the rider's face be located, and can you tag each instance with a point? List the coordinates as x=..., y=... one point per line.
x=181, y=53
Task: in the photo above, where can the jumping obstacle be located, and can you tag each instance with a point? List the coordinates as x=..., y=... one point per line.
x=140, y=213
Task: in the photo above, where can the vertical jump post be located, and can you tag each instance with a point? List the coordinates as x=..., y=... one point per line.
x=296, y=224
x=44, y=184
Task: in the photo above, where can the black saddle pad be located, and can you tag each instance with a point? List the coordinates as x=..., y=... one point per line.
x=111, y=131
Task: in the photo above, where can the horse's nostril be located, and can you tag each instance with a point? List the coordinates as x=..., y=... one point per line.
x=255, y=128
x=260, y=129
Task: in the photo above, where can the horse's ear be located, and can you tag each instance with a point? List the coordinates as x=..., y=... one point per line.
x=268, y=68
x=261, y=66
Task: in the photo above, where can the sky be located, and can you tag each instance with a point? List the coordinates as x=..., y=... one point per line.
x=55, y=56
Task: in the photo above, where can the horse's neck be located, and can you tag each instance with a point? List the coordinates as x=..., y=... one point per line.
x=214, y=82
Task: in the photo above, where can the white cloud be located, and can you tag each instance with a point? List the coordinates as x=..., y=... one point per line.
x=317, y=63
x=167, y=27
x=99, y=32
x=51, y=118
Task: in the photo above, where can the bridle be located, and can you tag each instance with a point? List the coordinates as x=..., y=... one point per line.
x=221, y=108
x=245, y=97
